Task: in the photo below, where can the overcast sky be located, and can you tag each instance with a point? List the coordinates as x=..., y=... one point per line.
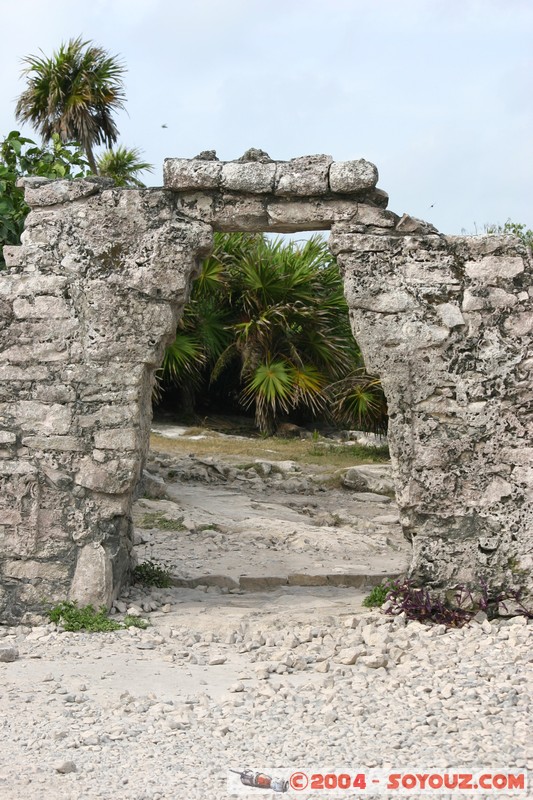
x=437, y=93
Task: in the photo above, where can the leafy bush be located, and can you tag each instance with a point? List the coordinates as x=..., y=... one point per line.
x=514, y=228
x=72, y=618
x=151, y=574
x=21, y=157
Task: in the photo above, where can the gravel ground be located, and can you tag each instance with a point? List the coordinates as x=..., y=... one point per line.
x=299, y=679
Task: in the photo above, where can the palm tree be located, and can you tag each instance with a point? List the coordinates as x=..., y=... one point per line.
x=292, y=335
x=123, y=165
x=74, y=94
x=273, y=313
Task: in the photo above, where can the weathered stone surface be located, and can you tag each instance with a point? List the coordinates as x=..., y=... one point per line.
x=254, y=177
x=456, y=443
x=8, y=653
x=234, y=213
x=369, y=478
x=53, y=193
x=93, y=578
x=303, y=176
x=93, y=294
x=286, y=216
x=348, y=177
x=182, y=175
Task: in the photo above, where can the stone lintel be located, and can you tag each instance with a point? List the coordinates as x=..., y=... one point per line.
x=307, y=176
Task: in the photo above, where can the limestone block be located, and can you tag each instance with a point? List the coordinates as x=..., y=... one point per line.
x=113, y=477
x=409, y=224
x=196, y=205
x=24, y=285
x=498, y=298
x=45, y=418
x=497, y=489
x=55, y=192
x=472, y=301
x=307, y=175
x=117, y=439
x=437, y=272
x=42, y=307
x=253, y=177
x=35, y=571
x=16, y=255
x=183, y=174
x=239, y=214
x=378, y=217
x=61, y=443
x=93, y=578
x=355, y=243
x=519, y=324
x=491, y=268
x=393, y=302
x=10, y=517
x=47, y=352
x=287, y=216
x=346, y=177
x=450, y=315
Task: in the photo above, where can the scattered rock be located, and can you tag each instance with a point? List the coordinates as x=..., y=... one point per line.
x=65, y=767
x=9, y=653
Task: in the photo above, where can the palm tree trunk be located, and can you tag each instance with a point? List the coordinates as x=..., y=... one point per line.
x=90, y=158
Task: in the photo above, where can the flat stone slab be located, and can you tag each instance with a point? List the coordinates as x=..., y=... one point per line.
x=236, y=534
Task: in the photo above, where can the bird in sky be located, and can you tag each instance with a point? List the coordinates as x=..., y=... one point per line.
x=164, y=125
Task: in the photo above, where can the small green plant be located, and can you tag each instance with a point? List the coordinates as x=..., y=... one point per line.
x=378, y=595
x=72, y=618
x=134, y=622
x=151, y=574
x=158, y=520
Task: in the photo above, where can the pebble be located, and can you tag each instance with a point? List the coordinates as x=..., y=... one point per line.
x=64, y=767
x=393, y=691
x=8, y=653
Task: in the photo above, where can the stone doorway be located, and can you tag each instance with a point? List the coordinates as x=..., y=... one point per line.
x=92, y=296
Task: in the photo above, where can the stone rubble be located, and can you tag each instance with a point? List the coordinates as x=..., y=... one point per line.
x=164, y=712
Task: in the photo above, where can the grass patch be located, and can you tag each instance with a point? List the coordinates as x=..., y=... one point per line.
x=273, y=448
x=72, y=618
x=378, y=595
x=157, y=519
x=357, y=452
x=151, y=574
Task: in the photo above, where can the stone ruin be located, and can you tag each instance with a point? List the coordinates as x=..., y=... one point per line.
x=92, y=296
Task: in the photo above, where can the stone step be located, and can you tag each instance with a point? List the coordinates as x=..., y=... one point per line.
x=255, y=583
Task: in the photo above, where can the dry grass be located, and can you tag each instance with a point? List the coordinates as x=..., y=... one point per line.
x=303, y=451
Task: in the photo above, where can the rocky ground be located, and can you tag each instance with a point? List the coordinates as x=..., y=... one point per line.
x=300, y=677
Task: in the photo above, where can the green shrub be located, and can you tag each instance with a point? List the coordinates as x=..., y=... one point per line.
x=151, y=574
x=72, y=618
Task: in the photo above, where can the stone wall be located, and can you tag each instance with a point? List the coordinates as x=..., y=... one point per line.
x=90, y=300
x=92, y=296
x=446, y=322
